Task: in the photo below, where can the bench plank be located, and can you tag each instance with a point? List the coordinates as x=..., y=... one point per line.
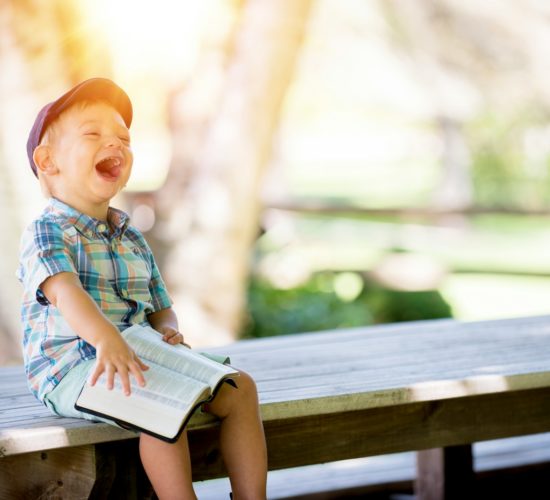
x=311, y=374
x=366, y=391
x=386, y=473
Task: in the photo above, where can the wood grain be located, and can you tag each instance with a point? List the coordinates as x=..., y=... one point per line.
x=330, y=396
x=300, y=441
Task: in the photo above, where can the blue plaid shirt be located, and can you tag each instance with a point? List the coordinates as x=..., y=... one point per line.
x=116, y=267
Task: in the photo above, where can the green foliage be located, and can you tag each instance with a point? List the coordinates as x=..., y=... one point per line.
x=315, y=305
x=308, y=307
x=510, y=161
x=391, y=306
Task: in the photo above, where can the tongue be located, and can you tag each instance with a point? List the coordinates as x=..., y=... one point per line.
x=109, y=169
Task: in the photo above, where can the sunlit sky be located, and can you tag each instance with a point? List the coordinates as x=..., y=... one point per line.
x=359, y=112
x=340, y=116
x=153, y=51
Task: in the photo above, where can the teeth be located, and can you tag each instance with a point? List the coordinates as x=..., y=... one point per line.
x=114, y=161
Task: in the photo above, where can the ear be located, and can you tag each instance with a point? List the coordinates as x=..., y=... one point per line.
x=42, y=157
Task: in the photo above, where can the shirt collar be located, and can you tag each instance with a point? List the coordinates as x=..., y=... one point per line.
x=89, y=226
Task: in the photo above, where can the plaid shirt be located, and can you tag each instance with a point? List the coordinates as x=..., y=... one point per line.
x=116, y=268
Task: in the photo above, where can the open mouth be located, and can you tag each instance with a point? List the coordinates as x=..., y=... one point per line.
x=109, y=168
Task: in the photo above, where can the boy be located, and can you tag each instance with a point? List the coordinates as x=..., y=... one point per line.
x=87, y=275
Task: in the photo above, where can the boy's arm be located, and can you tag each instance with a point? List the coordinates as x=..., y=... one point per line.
x=65, y=292
x=165, y=322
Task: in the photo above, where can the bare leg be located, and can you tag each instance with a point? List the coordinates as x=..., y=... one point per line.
x=242, y=438
x=168, y=467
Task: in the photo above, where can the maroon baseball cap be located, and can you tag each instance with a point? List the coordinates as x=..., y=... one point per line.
x=94, y=88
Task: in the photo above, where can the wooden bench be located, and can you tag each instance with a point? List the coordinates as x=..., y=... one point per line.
x=434, y=386
x=510, y=468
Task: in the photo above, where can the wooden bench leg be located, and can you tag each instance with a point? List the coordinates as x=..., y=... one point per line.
x=121, y=459
x=61, y=474
x=445, y=473
x=94, y=472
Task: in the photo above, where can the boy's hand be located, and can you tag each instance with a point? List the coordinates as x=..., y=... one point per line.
x=114, y=355
x=165, y=322
x=171, y=335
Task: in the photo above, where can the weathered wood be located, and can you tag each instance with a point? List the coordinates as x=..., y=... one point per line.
x=342, y=394
x=95, y=472
x=300, y=441
x=519, y=460
x=445, y=473
x=54, y=474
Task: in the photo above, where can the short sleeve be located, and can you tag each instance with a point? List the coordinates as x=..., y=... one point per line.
x=45, y=251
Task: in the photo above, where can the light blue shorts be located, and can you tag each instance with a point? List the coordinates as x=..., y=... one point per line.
x=61, y=400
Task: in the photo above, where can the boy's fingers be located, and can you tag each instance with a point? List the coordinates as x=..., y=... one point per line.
x=98, y=370
x=125, y=379
x=142, y=365
x=173, y=337
x=138, y=375
x=110, y=374
x=176, y=338
x=167, y=336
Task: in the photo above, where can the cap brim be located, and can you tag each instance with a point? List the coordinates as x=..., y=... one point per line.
x=94, y=88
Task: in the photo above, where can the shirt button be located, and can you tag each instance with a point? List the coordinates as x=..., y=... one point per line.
x=101, y=228
x=124, y=293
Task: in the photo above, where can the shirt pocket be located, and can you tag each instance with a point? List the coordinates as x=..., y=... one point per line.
x=99, y=285
x=135, y=265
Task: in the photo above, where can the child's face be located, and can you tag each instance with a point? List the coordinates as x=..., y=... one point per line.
x=90, y=150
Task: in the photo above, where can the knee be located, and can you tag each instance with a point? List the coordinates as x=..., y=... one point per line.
x=246, y=386
x=230, y=400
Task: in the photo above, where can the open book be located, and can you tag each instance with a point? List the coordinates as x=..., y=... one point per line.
x=178, y=381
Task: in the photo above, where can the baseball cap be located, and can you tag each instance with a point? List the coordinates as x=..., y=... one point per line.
x=94, y=88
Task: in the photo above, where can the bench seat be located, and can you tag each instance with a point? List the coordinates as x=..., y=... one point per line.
x=525, y=458
x=433, y=385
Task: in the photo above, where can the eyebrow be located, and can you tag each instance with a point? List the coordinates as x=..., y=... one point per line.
x=96, y=122
x=88, y=122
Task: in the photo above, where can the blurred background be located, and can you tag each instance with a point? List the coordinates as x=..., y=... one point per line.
x=305, y=164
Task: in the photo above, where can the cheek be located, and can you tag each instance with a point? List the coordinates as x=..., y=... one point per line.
x=129, y=158
x=128, y=170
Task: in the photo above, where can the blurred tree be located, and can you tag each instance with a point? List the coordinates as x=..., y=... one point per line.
x=473, y=59
x=59, y=47
x=44, y=48
x=208, y=211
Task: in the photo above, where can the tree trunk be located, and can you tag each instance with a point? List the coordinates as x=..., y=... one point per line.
x=413, y=22
x=43, y=50
x=213, y=220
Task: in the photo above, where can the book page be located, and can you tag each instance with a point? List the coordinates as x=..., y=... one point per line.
x=161, y=407
x=148, y=345
x=164, y=387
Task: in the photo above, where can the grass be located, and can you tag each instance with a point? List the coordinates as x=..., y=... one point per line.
x=478, y=256
x=475, y=297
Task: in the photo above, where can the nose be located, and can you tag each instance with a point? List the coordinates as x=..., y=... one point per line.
x=113, y=141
